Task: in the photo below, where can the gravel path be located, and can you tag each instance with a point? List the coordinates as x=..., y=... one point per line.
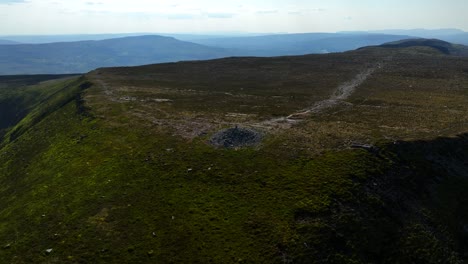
x=338, y=96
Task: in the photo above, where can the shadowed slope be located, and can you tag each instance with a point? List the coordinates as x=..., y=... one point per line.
x=439, y=45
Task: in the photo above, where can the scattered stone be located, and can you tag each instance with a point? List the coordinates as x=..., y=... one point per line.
x=189, y=170
x=127, y=98
x=150, y=253
x=7, y=246
x=48, y=251
x=236, y=137
x=154, y=234
x=368, y=147
x=160, y=100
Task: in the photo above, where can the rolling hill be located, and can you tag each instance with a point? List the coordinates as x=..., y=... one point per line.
x=83, y=56
x=47, y=39
x=299, y=44
x=7, y=42
x=43, y=39
x=456, y=36
x=355, y=157
x=437, y=46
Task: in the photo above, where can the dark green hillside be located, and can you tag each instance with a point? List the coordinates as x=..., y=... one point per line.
x=20, y=94
x=438, y=45
x=362, y=159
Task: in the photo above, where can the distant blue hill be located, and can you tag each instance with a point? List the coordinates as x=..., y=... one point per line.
x=83, y=56
x=456, y=36
x=299, y=44
x=43, y=39
x=7, y=42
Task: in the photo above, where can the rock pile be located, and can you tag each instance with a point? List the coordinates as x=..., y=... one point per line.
x=236, y=137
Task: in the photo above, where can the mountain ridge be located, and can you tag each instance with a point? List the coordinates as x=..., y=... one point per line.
x=8, y=42
x=118, y=165
x=441, y=46
x=83, y=56
x=299, y=44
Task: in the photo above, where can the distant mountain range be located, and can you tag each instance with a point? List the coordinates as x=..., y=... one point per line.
x=83, y=56
x=7, y=42
x=299, y=44
x=451, y=35
x=444, y=34
x=43, y=39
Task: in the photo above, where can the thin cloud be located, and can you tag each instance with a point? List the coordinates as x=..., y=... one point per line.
x=306, y=11
x=219, y=15
x=267, y=12
x=182, y=16
x=9, y=2
x=94, y=3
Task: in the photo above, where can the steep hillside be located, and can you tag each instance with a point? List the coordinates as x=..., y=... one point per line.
x=358, y=157
x=83, y=56
x=20, y=94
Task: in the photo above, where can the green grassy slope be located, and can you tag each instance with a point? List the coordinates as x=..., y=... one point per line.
x=109, y=172
x=20, y=94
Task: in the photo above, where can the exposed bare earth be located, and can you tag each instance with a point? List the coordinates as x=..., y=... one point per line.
x=196, y=126
x=339, y=96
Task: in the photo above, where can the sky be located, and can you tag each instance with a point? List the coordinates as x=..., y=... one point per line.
x=46, y=17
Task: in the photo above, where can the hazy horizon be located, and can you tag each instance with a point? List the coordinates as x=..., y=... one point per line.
x=44, y=17
x=223, y=33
